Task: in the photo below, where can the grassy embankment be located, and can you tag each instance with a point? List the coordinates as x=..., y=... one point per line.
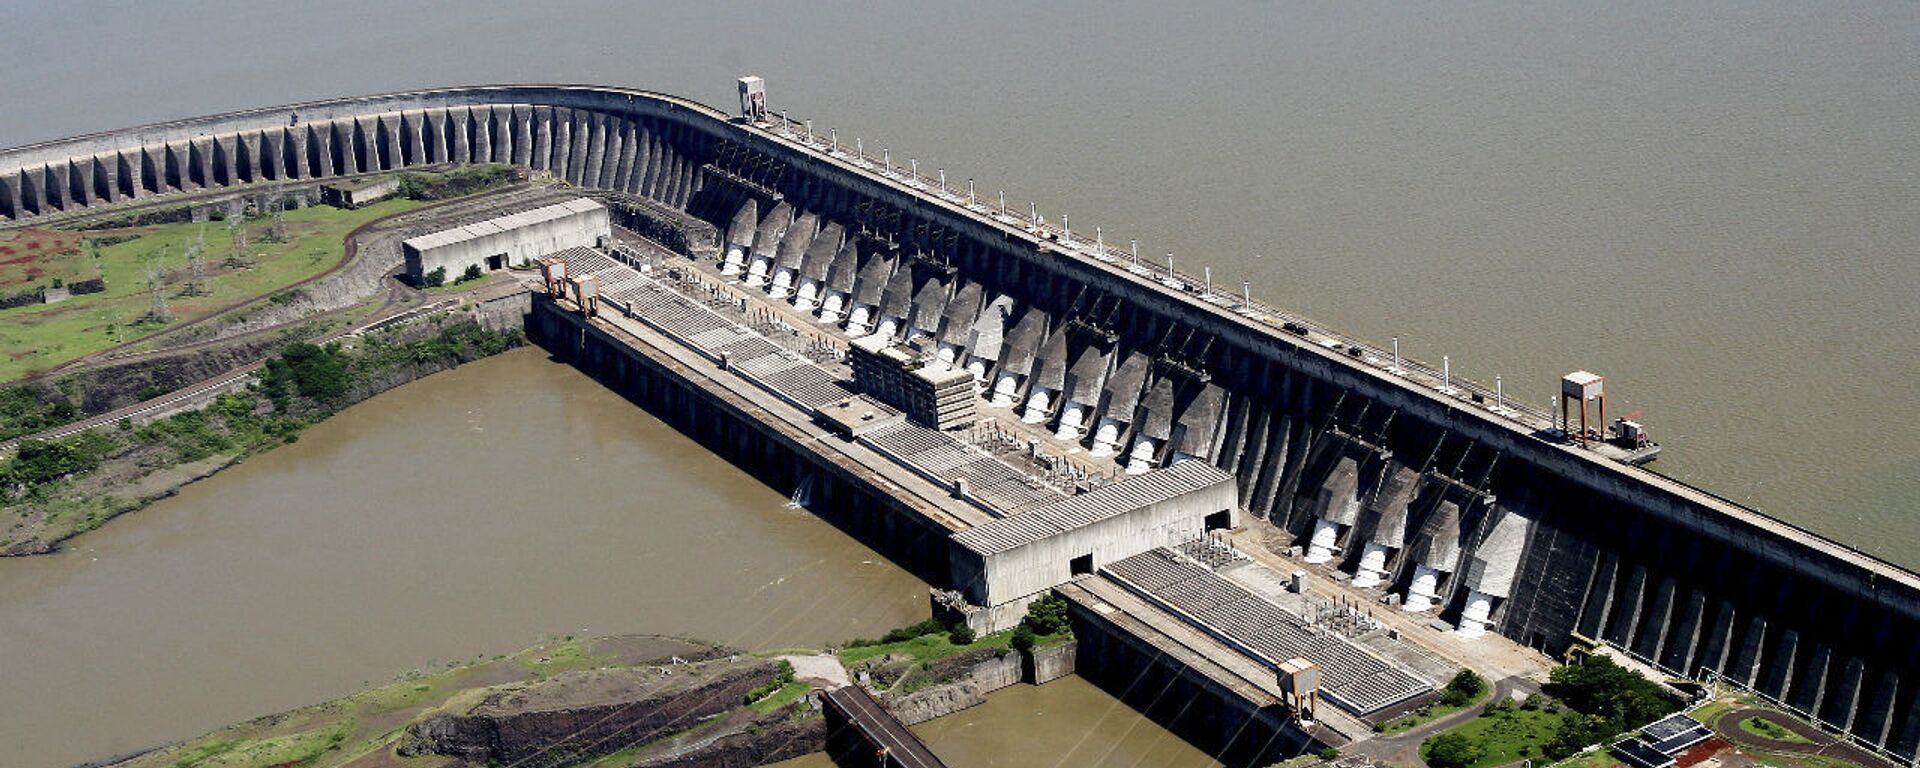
x=374, y=720
x=1464, y=691
x=40, y=336
x=923, y=655
x=53, y=490
x=1584, y=704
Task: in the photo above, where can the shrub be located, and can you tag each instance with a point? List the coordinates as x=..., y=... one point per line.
x=1329, y=753
x=1022, y=638
x=474, y=272
x=412, y=187
x=1452, y=750
x=38, y=462
x=436, y=278
x=1601, y=687
x=961, y=634
x=781, y=678
x=1463, y=688
x=909, y=632
x=1047, y=616
x=317, y=373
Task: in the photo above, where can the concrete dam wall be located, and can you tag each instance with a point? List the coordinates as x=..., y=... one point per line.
x=1435, y=498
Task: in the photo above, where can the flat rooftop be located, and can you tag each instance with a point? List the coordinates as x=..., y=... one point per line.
x=994, y=486
x=499, y=224
x=1099, y=504
x=1353, y=677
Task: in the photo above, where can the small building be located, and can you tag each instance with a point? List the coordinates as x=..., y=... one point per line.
x=512, y=239
x=355, y=193
x=1661, y=742
x=1002, y=565
x=856, y=416
x=933, y=395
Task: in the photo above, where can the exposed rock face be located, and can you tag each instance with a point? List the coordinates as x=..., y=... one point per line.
x=578, y=716
x=782, y=740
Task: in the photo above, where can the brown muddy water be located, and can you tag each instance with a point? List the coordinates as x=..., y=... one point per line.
x=468, y=514
x=1063, y=724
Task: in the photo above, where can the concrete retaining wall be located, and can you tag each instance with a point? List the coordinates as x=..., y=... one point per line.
x=687, y=401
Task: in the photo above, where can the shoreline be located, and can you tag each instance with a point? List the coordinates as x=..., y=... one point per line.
x=102, y=505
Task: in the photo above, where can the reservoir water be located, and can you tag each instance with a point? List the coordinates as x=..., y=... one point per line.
x=1716, y=204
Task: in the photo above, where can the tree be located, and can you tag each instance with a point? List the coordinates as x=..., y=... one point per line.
x=1576, y=732
x=1463, y=688
x=474, y=272
x=1022, y=638
x=1047, y=616
x=277, y=229
x=961, y=634
x=412, y=187
x=1452, y=750
x=237, y=226
x=1598, y=686
x=156, y=283
x=316, y=373
x=197, y=264
x=435, y=278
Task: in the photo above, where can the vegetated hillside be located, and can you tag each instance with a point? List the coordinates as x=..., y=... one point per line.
x=157, y=276
x=53, y=490
x=630, y=700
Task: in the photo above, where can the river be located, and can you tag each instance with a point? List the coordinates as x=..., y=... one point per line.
x=470, y=513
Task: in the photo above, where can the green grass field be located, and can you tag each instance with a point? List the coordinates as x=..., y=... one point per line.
x=1511, y=735
x=1434, y=712
x=925, y=648
x=40, y=336
x=1766, y=729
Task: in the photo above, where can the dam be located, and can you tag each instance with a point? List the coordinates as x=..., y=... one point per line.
x=1120, y=390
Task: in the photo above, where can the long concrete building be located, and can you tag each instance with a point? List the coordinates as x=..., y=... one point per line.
x=502, y=241
x=1429, y=490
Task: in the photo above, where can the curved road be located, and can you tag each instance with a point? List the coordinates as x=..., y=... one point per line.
x=1403, y=748
x=1822, y=743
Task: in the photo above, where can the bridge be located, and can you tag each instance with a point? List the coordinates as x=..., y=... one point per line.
x=861, y=733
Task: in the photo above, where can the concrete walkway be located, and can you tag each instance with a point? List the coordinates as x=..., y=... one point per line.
x=824, y=669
